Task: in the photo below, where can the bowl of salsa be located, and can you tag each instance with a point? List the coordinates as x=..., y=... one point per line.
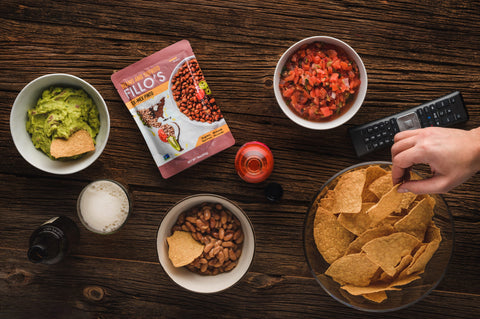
x=320, y=82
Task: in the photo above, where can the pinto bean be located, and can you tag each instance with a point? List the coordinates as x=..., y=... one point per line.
x=228, y=244
x=208, y=247
x=230, y=266
x=239, y=239
x=228, y=236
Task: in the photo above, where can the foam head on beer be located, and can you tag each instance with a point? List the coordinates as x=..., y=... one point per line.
x=103, y=206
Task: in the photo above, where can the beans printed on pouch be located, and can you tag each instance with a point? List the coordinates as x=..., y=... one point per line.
x=191, y=94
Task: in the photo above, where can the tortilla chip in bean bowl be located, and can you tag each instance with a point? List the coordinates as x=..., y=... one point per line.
x=373, y=248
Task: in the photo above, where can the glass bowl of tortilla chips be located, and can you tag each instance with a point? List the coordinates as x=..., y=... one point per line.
x=373, y=248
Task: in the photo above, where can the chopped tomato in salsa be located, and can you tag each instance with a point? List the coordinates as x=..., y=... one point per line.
x=319, y=82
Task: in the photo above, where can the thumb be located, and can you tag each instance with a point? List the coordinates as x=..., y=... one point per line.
x=433, y=185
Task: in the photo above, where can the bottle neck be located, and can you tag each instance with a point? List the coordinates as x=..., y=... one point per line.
x=44, y=249
x=37, y=253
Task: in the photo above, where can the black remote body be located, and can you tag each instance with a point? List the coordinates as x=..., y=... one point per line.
x=445, y=111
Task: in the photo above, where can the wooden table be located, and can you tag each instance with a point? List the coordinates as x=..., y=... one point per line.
x=413, y=52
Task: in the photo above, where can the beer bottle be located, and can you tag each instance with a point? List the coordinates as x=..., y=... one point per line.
x=53, y=240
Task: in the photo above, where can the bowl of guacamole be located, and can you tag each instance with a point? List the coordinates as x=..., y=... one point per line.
x=59, y=123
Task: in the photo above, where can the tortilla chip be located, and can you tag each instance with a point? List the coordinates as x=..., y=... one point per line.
x=183, y=249
x=377, y=287
x=331, y=238
x=79, y=142
x=405, y=280
x=355, y=269
x=357, y=244
x=417, y=220
x=404, y=263
x=357, y=291
x=357, y=223
x=420, y=263
x=418, y=252
x=433, y=233
x=388, y=251
x=381, y=185
x=348, y=192
x=389, y=221
x=377, y=297
x=391, y=202
x=328, y=200
x=419, y=198
x=372, y=173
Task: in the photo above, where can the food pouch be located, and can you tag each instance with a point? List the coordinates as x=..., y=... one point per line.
x=173, y=106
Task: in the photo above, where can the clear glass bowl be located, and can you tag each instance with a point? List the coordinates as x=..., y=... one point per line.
x=409, y=294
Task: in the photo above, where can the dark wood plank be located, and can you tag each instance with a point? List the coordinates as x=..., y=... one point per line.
x=97, y=286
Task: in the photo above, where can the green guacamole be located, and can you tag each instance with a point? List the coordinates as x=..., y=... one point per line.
x=59, y=113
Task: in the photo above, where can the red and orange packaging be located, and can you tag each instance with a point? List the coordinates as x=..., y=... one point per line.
x=173, y=106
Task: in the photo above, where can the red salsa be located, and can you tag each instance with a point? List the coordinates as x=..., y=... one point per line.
x=319, y=82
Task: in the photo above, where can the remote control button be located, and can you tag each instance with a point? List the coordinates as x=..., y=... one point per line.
x=421, y=115
x=428, y=114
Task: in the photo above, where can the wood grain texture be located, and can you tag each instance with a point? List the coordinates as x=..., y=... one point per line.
x=413, y=51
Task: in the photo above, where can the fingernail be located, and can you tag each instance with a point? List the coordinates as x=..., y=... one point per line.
x=402, y=190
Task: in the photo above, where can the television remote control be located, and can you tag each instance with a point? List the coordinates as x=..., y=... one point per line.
x=445, y=111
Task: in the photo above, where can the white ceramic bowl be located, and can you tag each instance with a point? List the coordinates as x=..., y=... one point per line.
x=360, y=95
x=27, y=98
x=205, y=283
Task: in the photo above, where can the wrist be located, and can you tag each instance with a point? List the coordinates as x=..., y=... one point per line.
x=476, y=148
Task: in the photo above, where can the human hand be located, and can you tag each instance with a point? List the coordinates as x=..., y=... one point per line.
x=453, y=156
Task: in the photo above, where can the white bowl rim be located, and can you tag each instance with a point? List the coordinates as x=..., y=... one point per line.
x=360, y=95
x=164, y=229
x=59, y=167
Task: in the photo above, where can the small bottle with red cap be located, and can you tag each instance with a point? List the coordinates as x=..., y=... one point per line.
x=254, y=162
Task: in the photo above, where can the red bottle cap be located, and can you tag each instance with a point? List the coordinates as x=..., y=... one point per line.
x=254, y=162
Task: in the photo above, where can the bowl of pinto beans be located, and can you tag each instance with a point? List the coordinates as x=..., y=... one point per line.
x=320, y=82
x=206, y=243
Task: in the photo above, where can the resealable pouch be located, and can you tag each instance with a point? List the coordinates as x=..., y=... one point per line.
x=173, y=106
